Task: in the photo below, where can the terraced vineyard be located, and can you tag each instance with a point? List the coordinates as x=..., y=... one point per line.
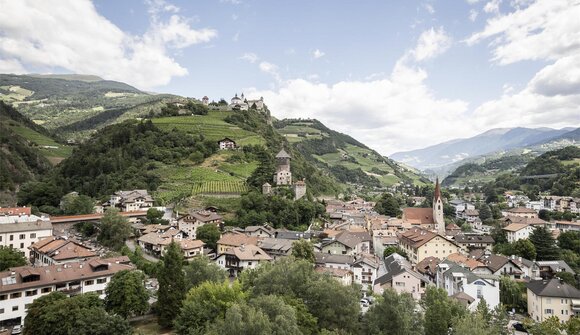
x=220, y=187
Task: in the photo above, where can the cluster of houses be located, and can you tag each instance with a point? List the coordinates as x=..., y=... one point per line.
x=546, y=202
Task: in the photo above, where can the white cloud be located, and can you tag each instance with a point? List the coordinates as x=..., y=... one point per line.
x=318, y=54
x=43, y=36
x=271, y=69
x=429, y=8
x=472, y=2
x=431, y=43
x=473, y=15
x=250, y=57
x=492, y=6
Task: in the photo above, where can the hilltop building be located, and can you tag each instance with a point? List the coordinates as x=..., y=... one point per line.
x=241, y=103
x=283, y=177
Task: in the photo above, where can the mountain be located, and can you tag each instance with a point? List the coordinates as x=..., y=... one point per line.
x=25, y=149
x=344, y=157
x=494, y=140
x=76, y=105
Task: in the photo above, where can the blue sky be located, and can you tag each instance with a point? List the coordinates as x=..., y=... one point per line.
x=396, y=75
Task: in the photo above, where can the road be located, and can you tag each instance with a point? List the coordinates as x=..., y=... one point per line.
x=131, y=245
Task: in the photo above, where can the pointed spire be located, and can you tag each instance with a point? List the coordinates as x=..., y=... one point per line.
x=437, y=193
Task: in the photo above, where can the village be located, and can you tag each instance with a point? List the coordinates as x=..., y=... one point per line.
x=354, y=245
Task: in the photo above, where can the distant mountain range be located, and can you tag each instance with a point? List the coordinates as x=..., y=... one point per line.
x=440, y=155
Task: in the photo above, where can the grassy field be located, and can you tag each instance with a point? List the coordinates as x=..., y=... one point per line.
x=212, y=126
x=52, y=150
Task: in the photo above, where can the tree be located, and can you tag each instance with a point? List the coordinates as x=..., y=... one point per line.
x=391, y=250
x=569, y=240
x=510, y=293
x=171, y=285
x=303, y=249
x=485, y=213
x=56, y=314
x=73, y=204
x=402, y=317
x=241, y=319
x=550, y=326
x=524, y=248
x=209, y=234
x=204, y=304
x=498, y=234
x=155, y=216
x=201, y=269
x=126, y=294
x=546, y=248
x=440, y=311
x=10, y=258
x=568, y=278
x=115, y=229
x=388, y=205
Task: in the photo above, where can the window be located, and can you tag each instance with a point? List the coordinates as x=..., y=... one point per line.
x=89, y=282
x=249, y=263
x=21, y=245
x=479, y=294
x=0, y=238
x=1, y=310
x=31, y=293
x=11, y=237
x=400, y=284
x=101, y=280
x=33, y=235
x=548, y=311
x=14, y=308
x=3, y=297
x=22, y=236
x=16, y=295
x=47, y=290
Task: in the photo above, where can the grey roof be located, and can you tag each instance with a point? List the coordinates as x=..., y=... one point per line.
x=322, y=258
x=553, y=288
x=396, y=264
x=556, y=266
x=275, y=244
x=292, y=235
x=25, y=226
x=470, y=276
x=471, y=238
x=282, y=154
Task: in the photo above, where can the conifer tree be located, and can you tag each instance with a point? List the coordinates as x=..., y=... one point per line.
x=172, y=285
x=545, y=244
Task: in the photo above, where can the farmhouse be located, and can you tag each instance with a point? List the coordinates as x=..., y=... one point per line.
x=227, y=144
x=189, y=223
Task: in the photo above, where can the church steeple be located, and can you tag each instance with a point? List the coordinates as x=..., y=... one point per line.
x=438, y=218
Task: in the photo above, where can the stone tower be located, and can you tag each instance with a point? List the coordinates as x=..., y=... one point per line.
x=438, y=210
x=283, y=175
x=299, y=189
x=266, y=189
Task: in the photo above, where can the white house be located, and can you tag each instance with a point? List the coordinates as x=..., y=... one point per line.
x=401, y=277
x=518, y=231
x=365, y=270
x=227, y=144
x=189, y=223
x=20, y=286
x=21, y=231
x=237, y=259
x=130, y=201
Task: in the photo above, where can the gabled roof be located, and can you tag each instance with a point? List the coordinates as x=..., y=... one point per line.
x=418, y=215
x=521, y=210
x=396, y=264
x=556, y=266
x=237, y=239
x=416, y=237
x=553, y=288
x=203, y=216
x=472, y=238
x=346, y=238
x=283, y=154
x=516, y=227
x=428, y=265
x=248, y=253
x=323, y=258
x=61, y=249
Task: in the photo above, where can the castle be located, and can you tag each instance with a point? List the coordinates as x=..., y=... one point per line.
x=241, y=103
x=283, y=177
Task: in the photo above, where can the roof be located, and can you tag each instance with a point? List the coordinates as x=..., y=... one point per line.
x=226, y=139
x=371, y=260
x=237, y=239
x=292, y=235
x=471, y=238
x=130, y=196
x=55, y=274
x=416, y=237
x=347, y=238
x=159, y=238
x=15, y=211
x=323, y=258
x=519, y=219
x=61, y=249
x=248, y=253
x=396, y=264
x=461, y=259
x=553, y=288
x=428, y=265
x=25, y=226
x=335, y=272
x=495, y=262
x=187, y=244
x=471, y=212
x=516, y=227
x=463, y=298
x=556, y=266
x=418, y=215
x=452, y=226
x=203, y=216
x=521, y=210
x=283, y=154
x=437, y=192
x=276, y=244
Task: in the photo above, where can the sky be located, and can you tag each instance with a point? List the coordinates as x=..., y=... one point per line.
x=396, y=75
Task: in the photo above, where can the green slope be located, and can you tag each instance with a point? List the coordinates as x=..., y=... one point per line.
x=348, y=159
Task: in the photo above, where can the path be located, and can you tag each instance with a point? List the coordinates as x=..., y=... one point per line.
x=131, y=245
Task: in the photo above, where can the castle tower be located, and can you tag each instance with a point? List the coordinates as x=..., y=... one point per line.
x=266, y=189
x=438, y=209
x=299, y=189
x=283, y=175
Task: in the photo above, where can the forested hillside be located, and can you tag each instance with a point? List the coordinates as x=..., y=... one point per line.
x=344, y=157
x=477, y=173
x=21, y=159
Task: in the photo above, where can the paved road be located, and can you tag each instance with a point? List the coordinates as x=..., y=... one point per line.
x=131, y=245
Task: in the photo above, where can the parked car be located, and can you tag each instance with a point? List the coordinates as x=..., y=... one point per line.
x=364, y=303
x=519, y=327
x=17, y=329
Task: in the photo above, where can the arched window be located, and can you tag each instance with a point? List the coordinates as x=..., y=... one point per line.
x=439, y=207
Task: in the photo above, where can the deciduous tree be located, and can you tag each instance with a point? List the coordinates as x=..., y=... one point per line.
x=209, y=234
x=403, y=318
x=303, y=249
x=10, y=258
x=126, y=294
x=115, y=229
x=201, y=269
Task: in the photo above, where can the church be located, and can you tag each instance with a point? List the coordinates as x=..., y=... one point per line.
x=241, y=103
x=427, y=218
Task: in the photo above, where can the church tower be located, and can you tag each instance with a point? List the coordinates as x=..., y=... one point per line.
x=438, y=209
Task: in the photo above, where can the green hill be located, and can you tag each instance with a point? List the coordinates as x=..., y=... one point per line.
x=26, y=151
x=487, y=169
x=344, y=157
x=76, y=105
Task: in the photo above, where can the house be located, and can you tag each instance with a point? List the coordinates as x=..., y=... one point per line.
x=428, y=268
x=529, y=268
x=401, y=277
x=420, y=243
x=522, y=212
x=227, y=144
x=56, y=250
x=191, y=248
x=567, y=225
x=189, y=222
x=334, y=261
x=548, y=298
x=237, y=259
x=455, y=278
x=548, y=269
x=260, y=231
x=346, y=243
x=155, y=243
x=365, y=270
x=20, y=286
x=130, y=201
x=343, y=276
x=500, y=266
x=460, y=206
x=292, y=235
x=234, y=239
x=470, y=215
x=276, y=247
x=468, y=242
x=518, y=231
x=21, y=231
x=452, y=229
